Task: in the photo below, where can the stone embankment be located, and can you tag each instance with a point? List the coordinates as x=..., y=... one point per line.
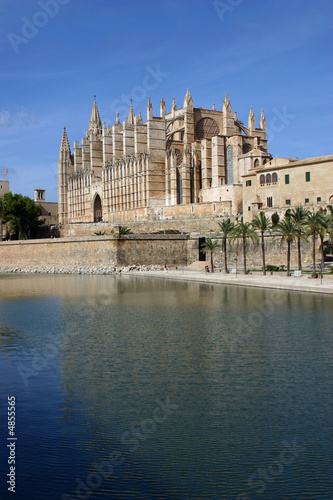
x=77, y=270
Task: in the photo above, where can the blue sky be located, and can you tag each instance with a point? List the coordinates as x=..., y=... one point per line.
x=56, y=54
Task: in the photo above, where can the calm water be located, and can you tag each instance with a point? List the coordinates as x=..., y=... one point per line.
x=134, y=388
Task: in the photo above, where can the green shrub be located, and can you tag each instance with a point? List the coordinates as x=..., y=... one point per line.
x=272, y=268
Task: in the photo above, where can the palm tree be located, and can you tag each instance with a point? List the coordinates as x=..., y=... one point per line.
x=286, y=230
x=315, y=223
x=226, y=228
x=245, y=231
x=299, y=215
x=262, y=224
x=329, y=220
x=210, y=246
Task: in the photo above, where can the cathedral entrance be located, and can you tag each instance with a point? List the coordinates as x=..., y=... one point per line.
x=98, y=216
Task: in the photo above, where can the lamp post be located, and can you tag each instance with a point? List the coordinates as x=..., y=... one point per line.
x=321, y=271
x=221, y=260
x=236, y=266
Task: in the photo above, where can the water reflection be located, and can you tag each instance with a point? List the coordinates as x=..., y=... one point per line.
x=246, y=368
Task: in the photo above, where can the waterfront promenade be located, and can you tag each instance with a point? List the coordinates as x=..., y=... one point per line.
x=302, y=284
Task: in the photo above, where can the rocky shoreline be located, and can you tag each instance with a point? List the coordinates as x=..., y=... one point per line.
x=75, y=270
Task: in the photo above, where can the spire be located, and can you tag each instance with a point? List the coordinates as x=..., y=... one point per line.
x=262, y=123
x=64, y=142
x=226, y=104
x=214, y=107
x=174, y=107
x=251, y=121
x=131, y=115
x=149, y=110
x=95, y=121
x=117, y=118
x=188, y=100
x=162, y=108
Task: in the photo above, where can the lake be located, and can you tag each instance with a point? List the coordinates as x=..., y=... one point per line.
x=138, y=388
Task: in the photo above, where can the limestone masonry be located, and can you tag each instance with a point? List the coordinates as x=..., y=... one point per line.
x=190, y=157
x=188, y=163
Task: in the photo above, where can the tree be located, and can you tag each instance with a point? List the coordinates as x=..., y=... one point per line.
x=299, y=215
x=286, y=231
x=262, y=224
x=22, y=214
x=329, y=221
x=245, y=231
x=226, y=229
x=315, y=223
x=210, y=246
x=275, y=219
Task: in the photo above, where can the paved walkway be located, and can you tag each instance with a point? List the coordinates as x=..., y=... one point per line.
x=302, y=284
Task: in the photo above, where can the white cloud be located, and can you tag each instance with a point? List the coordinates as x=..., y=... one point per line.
x=5, y=119
x=25, y=118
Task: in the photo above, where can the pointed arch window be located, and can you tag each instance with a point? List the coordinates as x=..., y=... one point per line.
x=268, y=179
x=179, y=189
x=98, y=209
x=262, y=180
x=230, y=165
x=274, y=178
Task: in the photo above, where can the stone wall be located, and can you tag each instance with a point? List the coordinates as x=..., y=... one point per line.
x=174, y=250
x=193, y=225
x=96, y=251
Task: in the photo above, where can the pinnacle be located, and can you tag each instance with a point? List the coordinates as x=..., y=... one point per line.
x=226, y=103
x=64, y=141
x=188, y=99
x=131, y=115
x=95, y=121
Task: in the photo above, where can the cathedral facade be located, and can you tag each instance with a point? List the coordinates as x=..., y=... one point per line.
x=188, y=162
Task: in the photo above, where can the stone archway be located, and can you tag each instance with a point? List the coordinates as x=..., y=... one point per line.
x=98, y=213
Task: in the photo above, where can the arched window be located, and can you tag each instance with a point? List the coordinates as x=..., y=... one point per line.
x=179, y=157
x=179, y=189
x=274, y=178
x=230, y=165
x=268, y=179
x=256, y=163
x=262, y=180
x=207, y=128
x=98, y=209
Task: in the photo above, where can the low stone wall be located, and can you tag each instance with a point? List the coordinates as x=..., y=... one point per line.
x=202, y=225
x=96, y=251
x=140, y=249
